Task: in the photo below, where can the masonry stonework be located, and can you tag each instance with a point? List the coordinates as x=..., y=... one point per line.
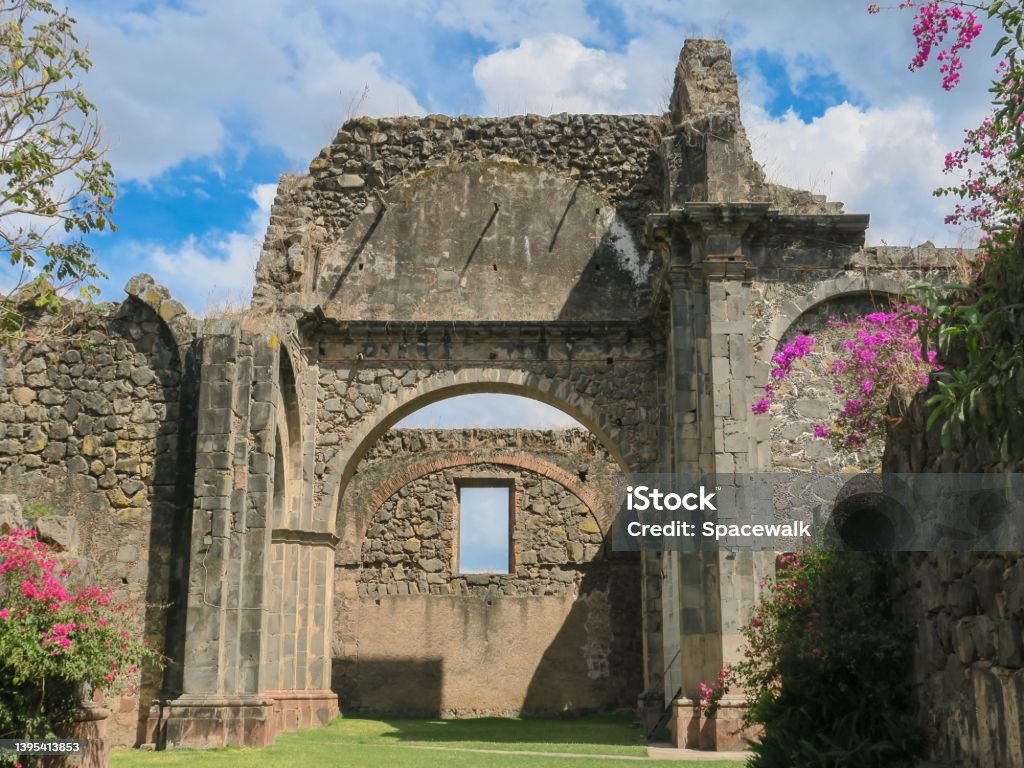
x=966, y=610
x=560, y=632
x=244, y=474
x=97, y=417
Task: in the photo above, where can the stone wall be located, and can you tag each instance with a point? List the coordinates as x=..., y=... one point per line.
x=614, y=155
x=967, y=612
x=410, y=546
x=559, y=633
x=95, y=422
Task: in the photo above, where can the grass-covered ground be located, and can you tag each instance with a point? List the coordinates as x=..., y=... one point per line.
x=415, y=743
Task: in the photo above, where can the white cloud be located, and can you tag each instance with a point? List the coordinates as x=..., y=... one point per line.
x=557, y=73
x=882, y=160
x=186, y=82
x=215, y=273
x=547, y=73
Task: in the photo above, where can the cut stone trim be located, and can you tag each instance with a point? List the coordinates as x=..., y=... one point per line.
x=827, y=290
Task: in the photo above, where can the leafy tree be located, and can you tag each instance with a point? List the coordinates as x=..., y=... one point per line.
x=55, y=182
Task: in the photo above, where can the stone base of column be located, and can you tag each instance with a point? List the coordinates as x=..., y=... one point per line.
x=89, y=725
x=208, y=722
x=724, y=731
x=649, y=707
x=294, y=710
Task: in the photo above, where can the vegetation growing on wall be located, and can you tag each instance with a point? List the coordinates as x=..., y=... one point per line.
x=978, y=327
x=878, y=357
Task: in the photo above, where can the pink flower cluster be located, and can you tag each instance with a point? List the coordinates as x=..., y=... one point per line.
x=59, y=637
x=51, y=619
x=932, y=24
x=989, y=181
x=992, y=186
x=799, y=347
x=879, y=357
x=709, y=696
x=882, y=358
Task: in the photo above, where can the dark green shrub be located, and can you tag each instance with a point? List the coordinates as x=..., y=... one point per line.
x=827, y=667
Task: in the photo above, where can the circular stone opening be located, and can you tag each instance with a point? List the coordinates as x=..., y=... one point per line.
x=863, y=527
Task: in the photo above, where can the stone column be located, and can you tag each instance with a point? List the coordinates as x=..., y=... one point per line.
x=713, y=383
x=220, y=704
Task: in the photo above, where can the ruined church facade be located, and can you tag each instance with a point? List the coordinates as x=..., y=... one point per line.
x=243, y=478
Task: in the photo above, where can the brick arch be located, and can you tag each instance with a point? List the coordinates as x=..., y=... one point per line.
x=394, y=407
x=821, y=293
x=600, y=511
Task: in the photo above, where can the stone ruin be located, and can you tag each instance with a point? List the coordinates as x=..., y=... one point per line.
x=242, y=479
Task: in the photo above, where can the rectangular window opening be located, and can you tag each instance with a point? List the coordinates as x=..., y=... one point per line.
x=485, y=517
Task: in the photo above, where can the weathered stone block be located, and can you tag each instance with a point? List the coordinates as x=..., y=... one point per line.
x=10, y=513
x=59, y=530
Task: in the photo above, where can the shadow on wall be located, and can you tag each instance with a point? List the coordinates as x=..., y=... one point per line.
x=416, y=682
x=471, y=655
x=605, y=671
x=171, y=517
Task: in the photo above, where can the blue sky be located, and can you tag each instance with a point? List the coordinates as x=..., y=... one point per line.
x=205, y=104
x=484, y=530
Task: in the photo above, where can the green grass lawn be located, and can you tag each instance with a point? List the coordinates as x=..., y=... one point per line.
x=393, y=742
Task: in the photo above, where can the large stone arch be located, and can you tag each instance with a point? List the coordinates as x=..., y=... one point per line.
x=394, y=407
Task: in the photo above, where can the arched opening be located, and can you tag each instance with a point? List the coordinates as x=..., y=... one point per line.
x=868, y=516
x=288, y=464
x=549, y=623
x=557, y=394
x=296, y=587
x=806, y=398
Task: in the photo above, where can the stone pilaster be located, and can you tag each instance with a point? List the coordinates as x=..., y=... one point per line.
x=221, y=703
x=709, y=594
